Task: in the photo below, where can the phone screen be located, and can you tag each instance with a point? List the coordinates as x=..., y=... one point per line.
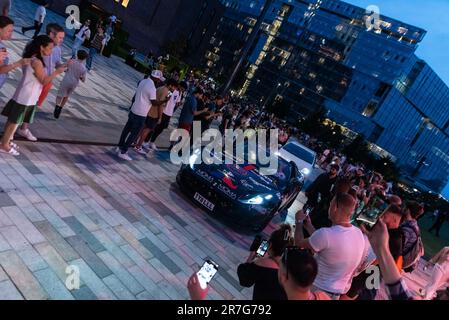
x=308, y=210
x=206, y=273
x=262, y=248
x=369, y=218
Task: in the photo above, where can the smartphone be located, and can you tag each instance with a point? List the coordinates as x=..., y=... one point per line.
x=307, y=210
x=206, y=273
x=369, y=218
x=256, y=243
x=263, y=248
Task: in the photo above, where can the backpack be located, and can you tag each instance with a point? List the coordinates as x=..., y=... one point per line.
x=412, y=256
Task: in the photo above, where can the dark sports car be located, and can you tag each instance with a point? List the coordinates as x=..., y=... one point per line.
x=240, y=193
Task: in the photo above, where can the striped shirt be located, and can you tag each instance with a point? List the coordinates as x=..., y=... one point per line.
x=97, y=42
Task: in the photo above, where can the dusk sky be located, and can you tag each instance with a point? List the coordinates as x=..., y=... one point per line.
x=431, y=15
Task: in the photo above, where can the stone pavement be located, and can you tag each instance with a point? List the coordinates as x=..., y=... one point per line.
x=124, y=225
x=100, y=103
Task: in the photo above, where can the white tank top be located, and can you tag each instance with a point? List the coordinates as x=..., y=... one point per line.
x=28, y=89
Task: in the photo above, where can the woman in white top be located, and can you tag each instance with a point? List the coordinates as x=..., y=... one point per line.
x=22, y=105
x=6, y=30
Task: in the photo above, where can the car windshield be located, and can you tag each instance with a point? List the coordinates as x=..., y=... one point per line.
x=280, y=178
x=284, y=172
x=299, y=152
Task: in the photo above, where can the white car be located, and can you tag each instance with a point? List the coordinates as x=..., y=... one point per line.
x=302, y=156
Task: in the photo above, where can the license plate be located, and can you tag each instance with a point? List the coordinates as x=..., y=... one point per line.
x=209, y=205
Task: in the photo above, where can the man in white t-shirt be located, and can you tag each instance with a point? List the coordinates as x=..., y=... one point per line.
x=172, y=104
x=145, y=98
x=39, y=18
x=82, y=35
x=340, y=249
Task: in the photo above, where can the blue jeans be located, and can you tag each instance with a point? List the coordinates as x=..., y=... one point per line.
x=131, y=131
x=76, y=46
x=92, y=53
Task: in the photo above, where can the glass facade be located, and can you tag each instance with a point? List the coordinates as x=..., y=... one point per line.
x=322, y=54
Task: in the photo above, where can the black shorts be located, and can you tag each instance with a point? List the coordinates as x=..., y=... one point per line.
x=151, y=123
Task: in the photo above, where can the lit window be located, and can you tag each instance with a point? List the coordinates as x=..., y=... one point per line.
x=402, y=30
x=312, y=75
x=321, y=61
x=319, y=89
x=124, y=2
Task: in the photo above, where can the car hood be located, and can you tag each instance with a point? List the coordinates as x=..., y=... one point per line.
x=238, y=180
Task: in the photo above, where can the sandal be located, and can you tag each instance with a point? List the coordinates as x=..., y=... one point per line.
x=11, y=151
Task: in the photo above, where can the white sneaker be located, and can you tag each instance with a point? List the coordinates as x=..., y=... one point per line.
x=11, y=151
x=153, y=146
x=140, y=151
x=147, y=145
x=27, y=135
x=13, y=145
x=124, y=156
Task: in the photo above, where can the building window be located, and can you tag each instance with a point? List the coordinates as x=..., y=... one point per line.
x=370, y=109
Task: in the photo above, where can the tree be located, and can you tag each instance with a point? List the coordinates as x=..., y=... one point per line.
x=387, y=168
x=279, y=108
x=358, y=150
x=176, y=48
x=313, y=122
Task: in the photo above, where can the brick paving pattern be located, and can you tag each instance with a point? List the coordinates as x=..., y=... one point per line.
x=124, y=225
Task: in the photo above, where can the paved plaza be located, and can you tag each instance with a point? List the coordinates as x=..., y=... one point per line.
x=125, y=225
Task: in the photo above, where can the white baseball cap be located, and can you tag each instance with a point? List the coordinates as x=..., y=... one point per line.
x=158, y=75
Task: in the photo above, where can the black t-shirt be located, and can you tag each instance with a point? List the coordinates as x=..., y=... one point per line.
x=395, y=242
x=322, y=185
x=227, y=116
x=265, y=281
x=200, y=106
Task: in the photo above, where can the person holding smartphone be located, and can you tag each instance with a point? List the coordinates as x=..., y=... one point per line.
x=262, y=271
x=155, y=116
x=6, y=30
x=22, y=107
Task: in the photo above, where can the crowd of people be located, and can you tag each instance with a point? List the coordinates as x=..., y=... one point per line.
x=42, y=62
x=335, y=262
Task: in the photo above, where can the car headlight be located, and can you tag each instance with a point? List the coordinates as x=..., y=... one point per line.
x=305, y=171
x=258, y=199
x=194, y=158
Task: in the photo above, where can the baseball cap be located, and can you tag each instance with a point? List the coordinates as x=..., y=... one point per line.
x=158, y=75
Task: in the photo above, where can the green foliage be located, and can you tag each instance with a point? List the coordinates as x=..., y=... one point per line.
x=177, y=48
x=279, y=108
